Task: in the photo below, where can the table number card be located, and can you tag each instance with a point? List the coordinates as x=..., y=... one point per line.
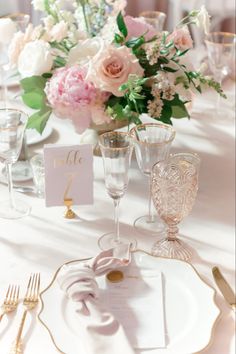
x=68, y=174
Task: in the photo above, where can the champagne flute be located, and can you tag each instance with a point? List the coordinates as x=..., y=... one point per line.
x=152, y=143
x=116, y=149
x=12, y=127
x=174, y=189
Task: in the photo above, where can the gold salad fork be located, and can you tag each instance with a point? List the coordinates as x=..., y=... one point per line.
x=30, y=302
x=11, y=300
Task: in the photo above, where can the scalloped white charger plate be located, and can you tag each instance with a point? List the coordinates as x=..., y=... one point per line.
x=189, y=307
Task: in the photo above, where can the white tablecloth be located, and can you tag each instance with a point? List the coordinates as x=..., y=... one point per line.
x=44, y=240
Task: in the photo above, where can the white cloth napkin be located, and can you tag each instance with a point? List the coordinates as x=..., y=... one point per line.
x=103, y=334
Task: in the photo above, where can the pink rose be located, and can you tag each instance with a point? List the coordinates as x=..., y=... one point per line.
x=137, y=27
x=111, y=68
x=181, y=38
x=70, y=95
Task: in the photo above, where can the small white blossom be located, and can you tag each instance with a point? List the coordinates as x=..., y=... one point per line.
x=155, y=107
x=153, y=50
x=169, y=93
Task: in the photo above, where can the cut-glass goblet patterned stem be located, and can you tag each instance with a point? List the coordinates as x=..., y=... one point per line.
x=174, y=189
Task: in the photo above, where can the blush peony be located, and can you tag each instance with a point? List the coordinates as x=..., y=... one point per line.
x=72, y=96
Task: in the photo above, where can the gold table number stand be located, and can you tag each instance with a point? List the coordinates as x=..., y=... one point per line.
x=69, y=213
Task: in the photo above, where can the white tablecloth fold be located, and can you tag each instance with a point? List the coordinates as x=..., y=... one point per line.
x=103, y=334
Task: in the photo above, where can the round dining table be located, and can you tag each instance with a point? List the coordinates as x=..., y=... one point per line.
x=45, y=239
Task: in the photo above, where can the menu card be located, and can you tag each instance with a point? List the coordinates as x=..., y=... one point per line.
x=68, y=174
x=137, y=303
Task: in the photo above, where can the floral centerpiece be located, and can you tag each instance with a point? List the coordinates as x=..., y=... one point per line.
x=91, y=63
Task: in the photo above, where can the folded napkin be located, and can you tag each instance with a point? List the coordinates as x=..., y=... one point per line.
x=103, y=334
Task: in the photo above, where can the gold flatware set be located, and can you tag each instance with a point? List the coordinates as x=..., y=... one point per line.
x=30, y=301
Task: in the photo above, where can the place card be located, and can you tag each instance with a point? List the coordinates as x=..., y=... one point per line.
x=68, y=174
x=137, y=303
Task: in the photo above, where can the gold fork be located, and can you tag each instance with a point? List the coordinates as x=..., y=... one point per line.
x=11, y=300
x=30, y=302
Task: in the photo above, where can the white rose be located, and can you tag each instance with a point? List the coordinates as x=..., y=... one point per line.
x=38, y=5
x=203, y=19
x=83, y=52
x=59, y=31
x=35, y=59
x=7, y=30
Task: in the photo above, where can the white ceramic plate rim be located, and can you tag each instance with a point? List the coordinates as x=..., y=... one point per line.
x=209, y=305
x=33, y=137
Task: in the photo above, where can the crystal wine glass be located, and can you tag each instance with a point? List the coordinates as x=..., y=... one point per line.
x=152, y=142
x=154, y=18
x=116, y=149
x=174, y=189
x=12, y=126
x=221, y=57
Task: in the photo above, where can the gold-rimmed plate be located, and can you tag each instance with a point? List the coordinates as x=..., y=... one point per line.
x=189, y=307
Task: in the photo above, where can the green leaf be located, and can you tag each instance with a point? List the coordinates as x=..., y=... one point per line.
x=170, y=70
x=135, y=43
x=179, y=111
x=170, y=44
x=121, y=25
x=33, y=82
x=118, y=38
x=39, y=119
x=166, y=114
x=59, y=62
x=180, y=54
x=34, y=99
x=123, y=87
x=163, y=60
x=47, y=75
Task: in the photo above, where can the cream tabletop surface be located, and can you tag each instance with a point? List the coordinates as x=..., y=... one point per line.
x=44, y=240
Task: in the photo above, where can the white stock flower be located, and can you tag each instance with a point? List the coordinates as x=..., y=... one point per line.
x=48, y=22
x=7, y=29
x=38, y=5
x=35, y=59
x=84, y=51
x=202, y=19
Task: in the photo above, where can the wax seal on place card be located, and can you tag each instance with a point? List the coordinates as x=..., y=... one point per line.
x=115, y=276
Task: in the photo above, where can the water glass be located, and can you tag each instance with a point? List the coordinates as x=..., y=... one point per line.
x=152, y=143
x=37, y=165
x=12, y=126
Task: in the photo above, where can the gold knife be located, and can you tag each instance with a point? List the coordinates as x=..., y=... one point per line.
x=224, y=287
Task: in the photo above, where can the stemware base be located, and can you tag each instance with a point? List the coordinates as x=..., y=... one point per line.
x=153, y=227
x=108, y=241
x=171, y=249
x=19, y=210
